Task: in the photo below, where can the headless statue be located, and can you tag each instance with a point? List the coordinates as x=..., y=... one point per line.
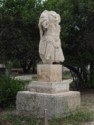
x=50, y=44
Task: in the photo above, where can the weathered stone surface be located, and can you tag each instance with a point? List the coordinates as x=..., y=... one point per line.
x=49, y=87
x=50, y=44
x=49, y=72
x=32, y=104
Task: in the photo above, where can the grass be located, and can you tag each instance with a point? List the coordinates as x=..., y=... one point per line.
x=82, y=115
x=75, y=118
x=67, y=75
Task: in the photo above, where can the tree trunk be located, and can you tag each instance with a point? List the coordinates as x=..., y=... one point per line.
x=91, y=72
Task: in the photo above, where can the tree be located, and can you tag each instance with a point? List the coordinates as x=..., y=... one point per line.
x=19, y=35
x=77, y=24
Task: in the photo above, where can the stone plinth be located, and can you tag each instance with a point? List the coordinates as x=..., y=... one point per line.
x=49, y=92
x=49, y=87
x=33, y=104
x=49, y=72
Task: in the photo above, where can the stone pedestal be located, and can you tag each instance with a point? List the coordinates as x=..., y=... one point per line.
x=49, y=92
x=33, y=104
x=49, y=73
x=49, y=87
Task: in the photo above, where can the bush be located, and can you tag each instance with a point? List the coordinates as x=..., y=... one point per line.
x=8, y=90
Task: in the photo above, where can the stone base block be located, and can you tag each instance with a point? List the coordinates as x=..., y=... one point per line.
x=33, y=104
x=49, y=72
x=49, y=87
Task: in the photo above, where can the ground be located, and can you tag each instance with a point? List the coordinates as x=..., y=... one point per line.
x=84, y=116
x=88, y=101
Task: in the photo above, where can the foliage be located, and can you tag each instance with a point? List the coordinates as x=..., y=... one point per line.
x=77, y=35
x=8, y=90
x=19, y=36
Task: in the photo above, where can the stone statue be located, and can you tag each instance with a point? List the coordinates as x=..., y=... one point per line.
x=50, y=44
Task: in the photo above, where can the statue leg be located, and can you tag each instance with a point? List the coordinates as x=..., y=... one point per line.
x=49, y=56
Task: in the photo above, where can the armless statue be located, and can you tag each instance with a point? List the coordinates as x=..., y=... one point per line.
x=50, y=44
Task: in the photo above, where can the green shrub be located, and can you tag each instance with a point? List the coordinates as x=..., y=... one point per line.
x=8, y=90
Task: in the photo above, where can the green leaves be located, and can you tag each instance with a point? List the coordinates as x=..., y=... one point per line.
x=8, y=90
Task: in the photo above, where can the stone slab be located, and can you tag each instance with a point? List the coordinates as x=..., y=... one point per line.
x=49, y=87
x=32, y=104
x=49, y=72
x=24, y=77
